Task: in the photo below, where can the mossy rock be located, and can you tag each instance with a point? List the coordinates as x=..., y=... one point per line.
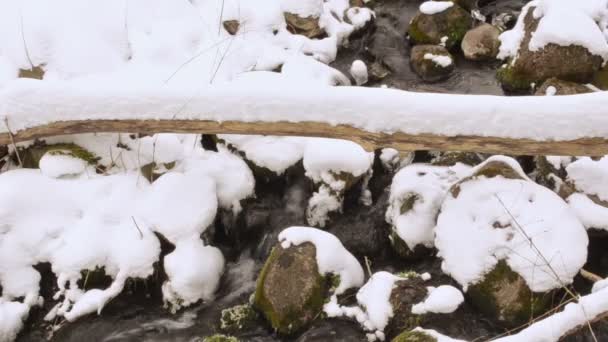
x=452, y=158
x=290, y=292
x=404, y=251
x=481, y=43
x=414, y=336
x=220, y=338
x=428, y=69
x=153, y=171
x=404, y=295
x=467, y=4
x=306, y=26
x=562, y=88
x=600, y=78
x=494, y=168
x=452, y=23
x=238, y=318
x=569, y=63
x=30, y=156
x=504, y=296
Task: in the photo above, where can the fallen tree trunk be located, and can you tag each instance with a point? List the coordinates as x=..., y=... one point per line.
x=369, y=140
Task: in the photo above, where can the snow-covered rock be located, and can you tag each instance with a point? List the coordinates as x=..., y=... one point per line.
x=444, y=19
x=497, y=230
x=431, y=62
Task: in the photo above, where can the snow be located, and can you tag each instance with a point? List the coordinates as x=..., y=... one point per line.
x=516, y=220
x=390, y=158
x=320, y=205
x=358, y=71
x=331, y=255
x=93, y=221
x=562, y=22
x=443, y=299
x=56, y=165
x=589, y=177
x=575, y=314
x=440, y=337
x=12, y=316
x=324, y=157
x=194, y=280
x=439, y=60
x=427, y=185
x=434, y=7
x=550, y=91
x=271, y=152
x=374, y=297
x=29, y=103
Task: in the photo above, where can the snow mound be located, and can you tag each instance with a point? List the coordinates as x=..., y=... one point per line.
x=374, y=297
x=487, y=219
x=443, y=299
x=416, y=194
x=271, y=152
x=12, y=316
x=194, y=271
x=589, y=177
x=562, y=22
x=332, y=257
x=434, y=7
x=56, y=165
x=324, y=157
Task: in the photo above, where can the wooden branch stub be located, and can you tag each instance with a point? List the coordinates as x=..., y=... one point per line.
x=369, y=140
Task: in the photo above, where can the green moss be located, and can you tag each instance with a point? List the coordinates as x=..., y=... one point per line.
x=290, y=322
x=407, y=274
x=522, y=308
x=600, y=78
x=220, y=338
x=408, y=203
x=30, y=156
x=513, y=81
x=237, y=318
x=414, y=336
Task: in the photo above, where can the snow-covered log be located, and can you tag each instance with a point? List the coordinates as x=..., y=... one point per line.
x=565, y=125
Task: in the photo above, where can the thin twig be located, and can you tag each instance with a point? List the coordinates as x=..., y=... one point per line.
x=10, y=134
x=141, y=235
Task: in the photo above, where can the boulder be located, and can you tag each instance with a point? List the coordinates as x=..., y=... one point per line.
x=447, y=27
x=600, y=79
x=290, y=291
x=451, y=158
x=306, y=26
x=405, y=294
x=554, y=86
x=3, y=151
x=431, y=62
x=30, y=156
x=220, y=338
x=481, y=43
x=467, y=4
x=414, y=336
x=504, y=296
x=551, y=171
x=570, y=63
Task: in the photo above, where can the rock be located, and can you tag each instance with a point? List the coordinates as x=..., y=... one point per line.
x=414, y=336
x=451, y=158
x=358, y=71
x=308, y=26
x=504, y=296
x=238, y=318
x=220, y=338
x=30, y=156
x=481, y=43
x=404, y=295
x=3, y=151
x=554, y=86
x=551, y=171
x=451, y=23
x=35, y=72
x=290, y=291
x=377, y=71
x=600, y=79
x=570, y=63
x=467, y=4
x=431, y=62
x=232, y=26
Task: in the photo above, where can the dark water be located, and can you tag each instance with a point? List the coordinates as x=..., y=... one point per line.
x=138, y=315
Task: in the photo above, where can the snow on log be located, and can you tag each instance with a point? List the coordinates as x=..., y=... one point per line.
x=372, y=117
